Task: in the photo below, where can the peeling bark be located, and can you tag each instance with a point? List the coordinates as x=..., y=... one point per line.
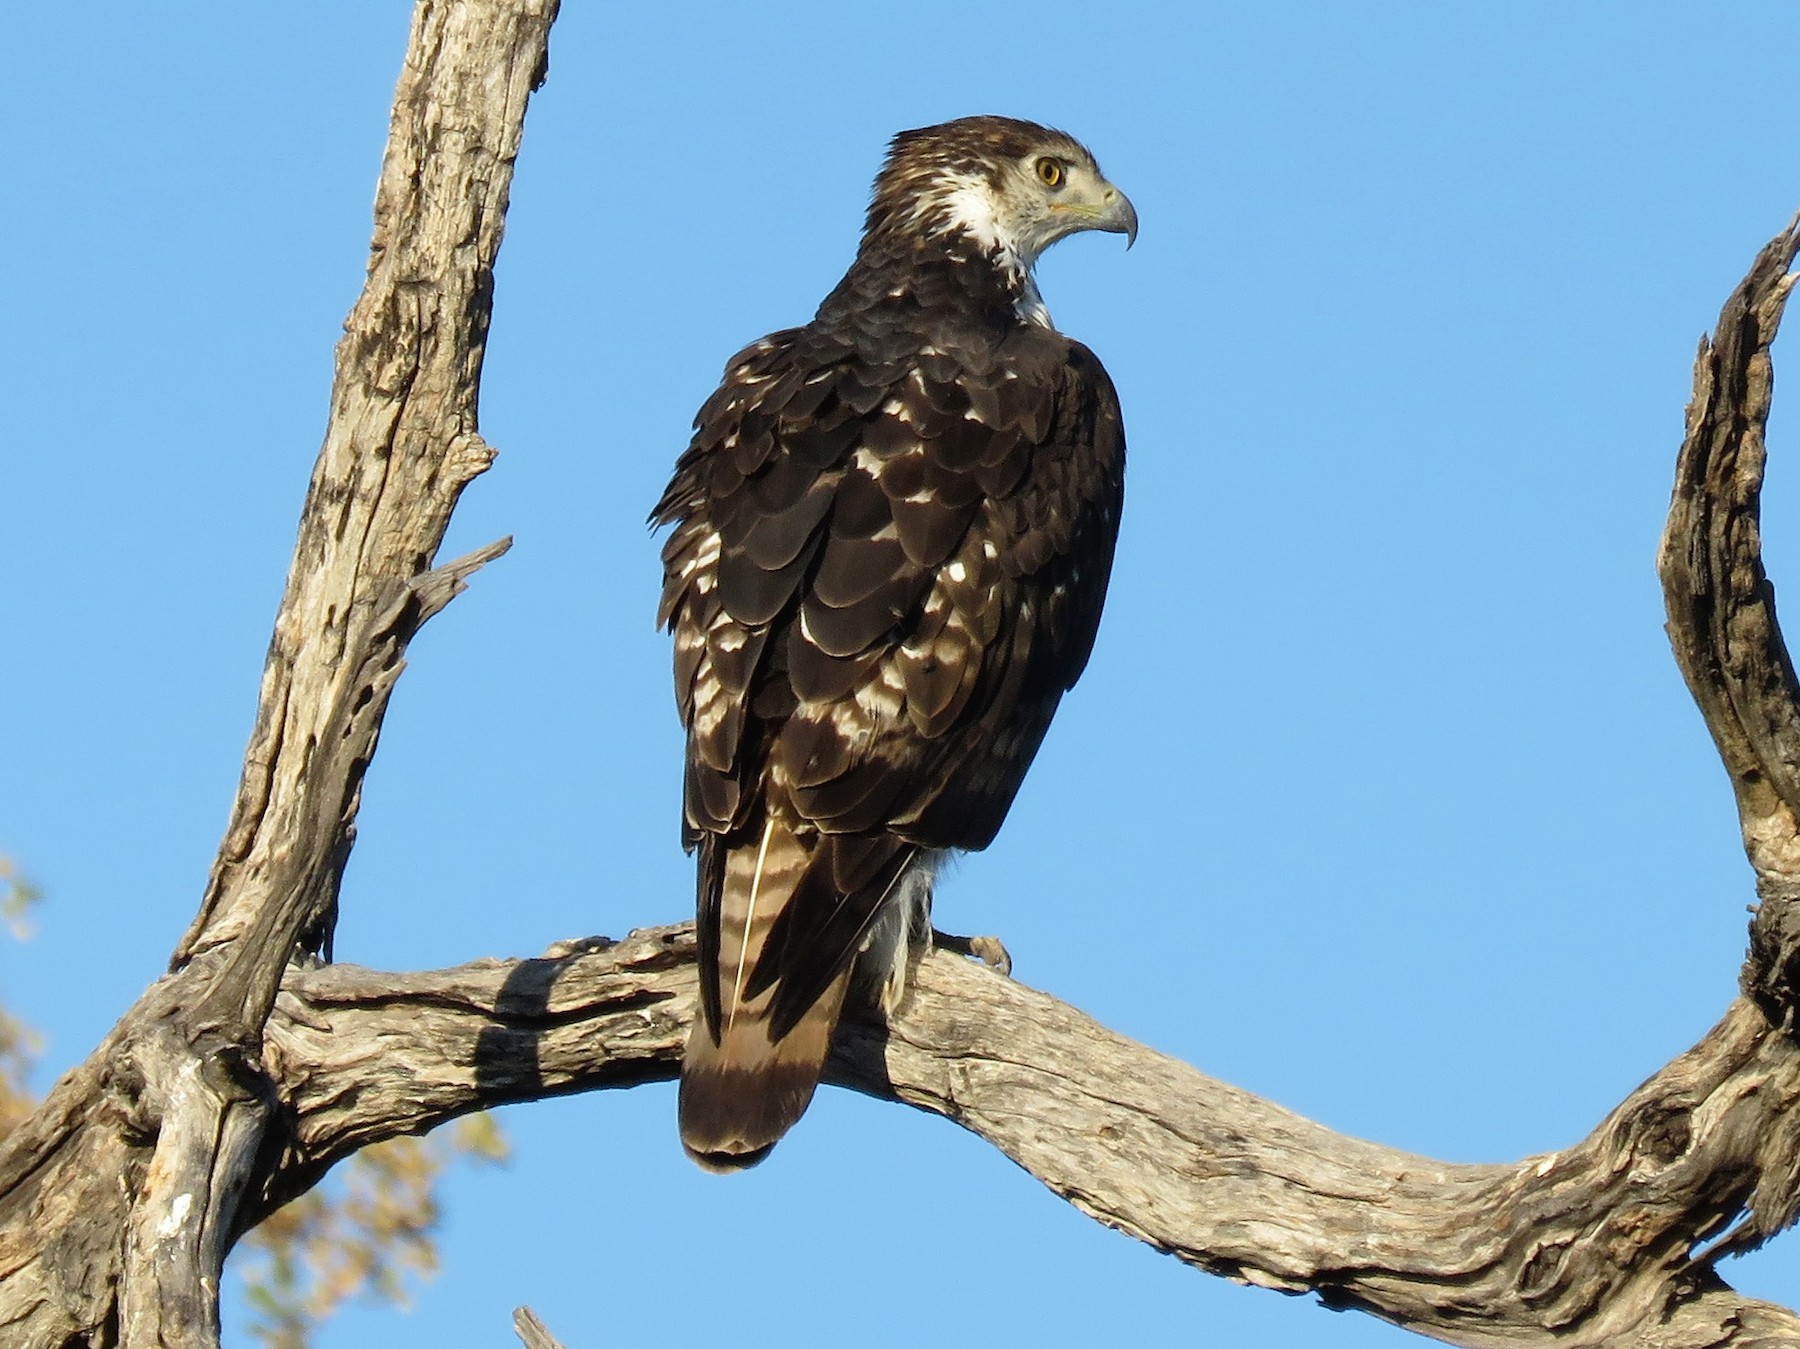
x=239, y=1078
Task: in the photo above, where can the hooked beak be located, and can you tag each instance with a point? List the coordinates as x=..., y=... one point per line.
x=1117, y=215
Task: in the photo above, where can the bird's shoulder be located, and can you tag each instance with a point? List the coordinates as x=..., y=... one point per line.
x=814, y=396
x=898, y=435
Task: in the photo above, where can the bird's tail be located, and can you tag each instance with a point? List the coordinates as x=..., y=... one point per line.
x=742, y=1087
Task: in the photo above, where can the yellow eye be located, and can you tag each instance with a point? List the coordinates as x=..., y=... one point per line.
x=1049, y=172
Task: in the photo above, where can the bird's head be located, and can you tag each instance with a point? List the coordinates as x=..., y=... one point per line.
x=1005, y=184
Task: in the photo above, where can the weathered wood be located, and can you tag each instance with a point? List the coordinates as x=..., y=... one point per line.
x=400, y=445
x=180, y=1228
x=533, y=1331
x=119, y=1198
x=1589, y=1246
x=1722, y=622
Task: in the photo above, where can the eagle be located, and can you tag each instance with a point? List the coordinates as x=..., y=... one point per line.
x=892, y=534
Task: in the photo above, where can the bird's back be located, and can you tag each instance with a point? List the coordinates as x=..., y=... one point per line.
x=891, y=537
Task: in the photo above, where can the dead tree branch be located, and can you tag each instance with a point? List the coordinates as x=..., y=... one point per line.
x=532, y=1331
x=119, y=1198
x=1591, y=1246
x=238, y=1079
x=1722, y=610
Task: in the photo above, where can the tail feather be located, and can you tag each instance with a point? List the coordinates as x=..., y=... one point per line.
x=740, y=1094
x=742, y=1086
x=783, y=916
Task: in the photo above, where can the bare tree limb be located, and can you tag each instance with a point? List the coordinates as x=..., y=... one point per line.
x=533, y=1331
x=1592, y=1245
x=120, y=1196
x=400, y=445
x=180, y=1230
x=238, y=1079
x=1722, y=621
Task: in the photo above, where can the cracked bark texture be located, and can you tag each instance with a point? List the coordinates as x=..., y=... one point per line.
x=237, y=1080
x=120, y=1196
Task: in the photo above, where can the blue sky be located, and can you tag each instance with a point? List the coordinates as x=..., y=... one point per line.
x=1382, y=796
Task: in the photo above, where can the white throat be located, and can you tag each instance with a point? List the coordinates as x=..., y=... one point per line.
x=967, y=202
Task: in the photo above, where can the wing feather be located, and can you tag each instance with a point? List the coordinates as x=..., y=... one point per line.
x=882, y=578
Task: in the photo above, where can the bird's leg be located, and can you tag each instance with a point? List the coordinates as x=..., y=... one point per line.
x=987, y=950
x=900, y=936
x=903, y=935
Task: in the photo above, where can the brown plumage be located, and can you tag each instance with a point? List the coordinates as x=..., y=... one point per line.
x=892, y=535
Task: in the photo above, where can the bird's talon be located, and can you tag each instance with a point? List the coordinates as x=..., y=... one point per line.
x=988, y=950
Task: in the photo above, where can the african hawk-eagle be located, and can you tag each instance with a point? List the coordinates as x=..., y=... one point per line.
x=892, y=535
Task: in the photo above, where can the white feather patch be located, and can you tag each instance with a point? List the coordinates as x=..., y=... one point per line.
x=969, y=200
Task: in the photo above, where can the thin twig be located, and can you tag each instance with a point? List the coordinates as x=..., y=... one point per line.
x=532, y=1331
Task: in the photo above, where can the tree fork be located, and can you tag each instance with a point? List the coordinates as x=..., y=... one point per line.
x=237, y=1080
x=120, y=1197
